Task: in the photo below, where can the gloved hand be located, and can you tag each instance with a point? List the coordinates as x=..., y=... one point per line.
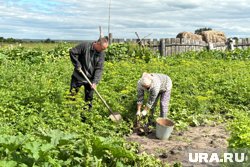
x=138, y=113
x=78, y=68
x=144, y=112
x=93, y=85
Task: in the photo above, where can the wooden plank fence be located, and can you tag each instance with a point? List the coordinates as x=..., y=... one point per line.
x=172, y=46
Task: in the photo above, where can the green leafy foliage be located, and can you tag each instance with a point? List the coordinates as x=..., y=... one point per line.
x=41, y=125
x=129, y=52
x=35, y=55
x=240, y=138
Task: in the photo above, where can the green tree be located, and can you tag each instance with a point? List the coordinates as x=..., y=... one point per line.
x=198, y=31
x=49, y=41
x=10, y=40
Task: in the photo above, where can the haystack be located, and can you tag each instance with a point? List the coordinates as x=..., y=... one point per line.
x=213, y=36
x=189, y=35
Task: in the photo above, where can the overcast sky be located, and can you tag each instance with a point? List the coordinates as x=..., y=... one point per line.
x=79, y=19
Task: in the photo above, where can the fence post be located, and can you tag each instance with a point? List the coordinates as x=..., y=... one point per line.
x=244, y=43
x=210, y=46
x=163, y=47
x=110, y=38
x=248, y=42
x=184, y=44
x=188, y=43
x=178, y=43
x=240, y=43
x=156, y=45
x=168, y=47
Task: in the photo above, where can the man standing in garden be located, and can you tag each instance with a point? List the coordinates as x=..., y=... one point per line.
x=158, y=85
x=89, y=58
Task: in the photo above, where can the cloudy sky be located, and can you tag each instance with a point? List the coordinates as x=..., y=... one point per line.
x=80, y=19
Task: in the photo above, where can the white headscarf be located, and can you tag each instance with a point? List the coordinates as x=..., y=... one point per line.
x=146, y=79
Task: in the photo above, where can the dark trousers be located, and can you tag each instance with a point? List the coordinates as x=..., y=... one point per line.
x=88, y=91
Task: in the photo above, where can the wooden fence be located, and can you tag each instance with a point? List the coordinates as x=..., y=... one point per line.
x=171, y=46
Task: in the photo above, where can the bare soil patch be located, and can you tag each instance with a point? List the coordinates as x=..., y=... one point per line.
x=176, y=148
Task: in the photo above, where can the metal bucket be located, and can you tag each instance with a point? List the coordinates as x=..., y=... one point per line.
x=164, y=128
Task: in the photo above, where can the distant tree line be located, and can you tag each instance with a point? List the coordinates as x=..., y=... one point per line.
x=12, y=40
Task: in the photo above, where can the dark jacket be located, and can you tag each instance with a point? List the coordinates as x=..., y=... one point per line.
x=91, y=62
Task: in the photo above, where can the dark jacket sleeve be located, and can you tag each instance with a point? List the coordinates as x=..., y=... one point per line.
x=99, y=69
x=75, y=53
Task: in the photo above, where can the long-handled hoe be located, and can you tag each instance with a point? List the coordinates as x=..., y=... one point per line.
x=114, y=116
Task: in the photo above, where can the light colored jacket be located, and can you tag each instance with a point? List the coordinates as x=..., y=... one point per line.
x=160, y=83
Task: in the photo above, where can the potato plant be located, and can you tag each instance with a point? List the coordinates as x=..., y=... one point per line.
x=42, y=126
